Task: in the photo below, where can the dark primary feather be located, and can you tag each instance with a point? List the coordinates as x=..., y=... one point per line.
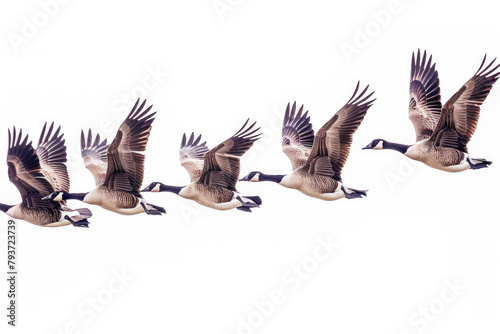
x=51, y=151
x=25, y=172
x=96, y=149
x=94, y=154
x=192, y=148
x=191, y=155
x=425, y=99
x=460, y=114
x=125, y=164
x=298, y=136
x=222, y=163
x=297, y=128
x=333, y=141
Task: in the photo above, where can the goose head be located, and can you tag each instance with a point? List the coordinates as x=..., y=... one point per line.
x=153, y=187
x=252, y=177
x=56, y=196
x=376, y=144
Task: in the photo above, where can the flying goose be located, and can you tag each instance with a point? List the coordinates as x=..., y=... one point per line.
x=214, y=173
x=37, y=174
x=118, y=169
x=442, y=133
x=317, y=161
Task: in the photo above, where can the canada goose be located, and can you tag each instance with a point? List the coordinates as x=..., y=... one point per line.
x=443, y=132
x=37, y=174
x=214, y=173
x=118, y=169
x=317, y=162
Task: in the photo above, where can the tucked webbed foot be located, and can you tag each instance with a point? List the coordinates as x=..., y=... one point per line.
x=248, y=202
x=353, y=193
x=244, y=208
x=478, y=163
x=79, y=223
x=151, y=209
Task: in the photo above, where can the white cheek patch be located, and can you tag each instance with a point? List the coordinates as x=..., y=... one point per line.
x=379, y=146
x=59, y=198
x=255, y=178
x=156, y=188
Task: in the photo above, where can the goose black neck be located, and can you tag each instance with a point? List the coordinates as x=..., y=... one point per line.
x=5, y=207
x=77, y=196
x=396, y=147
x=171, y=189
x=271, y=178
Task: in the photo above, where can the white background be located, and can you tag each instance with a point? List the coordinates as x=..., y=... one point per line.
x=198, y=270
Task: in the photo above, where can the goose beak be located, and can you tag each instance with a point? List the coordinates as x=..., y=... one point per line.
x=244, y=179
x=145, y=190
x=46, y=198
x=367, y=147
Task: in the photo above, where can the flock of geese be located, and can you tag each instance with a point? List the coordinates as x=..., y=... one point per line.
x=41, y=176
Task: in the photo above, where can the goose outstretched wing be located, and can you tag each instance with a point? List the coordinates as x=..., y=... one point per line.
x=425, y=99
x=51, y=152
x=191, y=155
x=460, y=114
x=95, y=156
x=125, y=170
x=333, y=141
x=222, y=163
x=298, y=136
x=25, y=172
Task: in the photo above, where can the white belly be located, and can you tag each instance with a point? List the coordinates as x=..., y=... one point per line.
x=337, y=194
x=420, y=152
x=294, y=181
x=99, y=198
x=16, y=213
x=61, y=222
x=189, y=192
x=463, y=165
x=127, y=212
x=234, y=203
